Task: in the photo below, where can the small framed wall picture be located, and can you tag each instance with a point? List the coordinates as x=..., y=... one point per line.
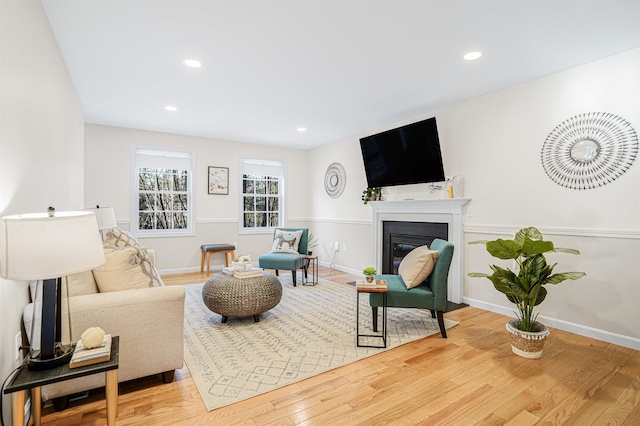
x=218, y=180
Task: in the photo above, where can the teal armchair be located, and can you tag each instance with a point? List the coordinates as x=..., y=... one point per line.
x=431, y=294
x=288, y=261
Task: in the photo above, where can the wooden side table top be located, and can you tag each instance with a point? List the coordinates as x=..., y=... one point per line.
x=370, y=288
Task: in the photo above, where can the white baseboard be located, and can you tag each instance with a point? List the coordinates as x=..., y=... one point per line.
x=341, y=268
x=581, y=330
x=185, y=270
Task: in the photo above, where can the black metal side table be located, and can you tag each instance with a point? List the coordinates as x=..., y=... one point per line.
x=361, y=287
x=311, y=261
x=26, y=379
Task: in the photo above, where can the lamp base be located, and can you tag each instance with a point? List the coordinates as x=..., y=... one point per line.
x=62, y=356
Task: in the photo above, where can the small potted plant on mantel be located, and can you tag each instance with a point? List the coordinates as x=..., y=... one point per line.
x=526, y=288
x=369, y=272
x=370, y=194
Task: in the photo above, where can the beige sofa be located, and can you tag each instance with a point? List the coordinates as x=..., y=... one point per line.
x=148, y=317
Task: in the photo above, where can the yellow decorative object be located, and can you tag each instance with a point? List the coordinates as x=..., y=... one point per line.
x=92, y=337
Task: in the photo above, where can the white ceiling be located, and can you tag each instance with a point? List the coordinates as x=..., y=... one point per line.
x=339, y=68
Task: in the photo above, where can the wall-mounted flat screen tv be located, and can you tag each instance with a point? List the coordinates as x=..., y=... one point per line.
x=406, y=155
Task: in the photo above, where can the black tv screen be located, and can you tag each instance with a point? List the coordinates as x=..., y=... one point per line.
x=406, y=155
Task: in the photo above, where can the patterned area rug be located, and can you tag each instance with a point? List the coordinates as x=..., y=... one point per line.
x=310, y=332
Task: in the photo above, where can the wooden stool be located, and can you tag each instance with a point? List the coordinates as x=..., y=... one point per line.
x=227, y=249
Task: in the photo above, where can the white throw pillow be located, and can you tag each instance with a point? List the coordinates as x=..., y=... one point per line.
x=126, y=268
x=286, y=241
x=417, y=266
x=121, y=238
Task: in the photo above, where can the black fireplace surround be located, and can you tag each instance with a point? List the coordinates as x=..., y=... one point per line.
x=399, y=238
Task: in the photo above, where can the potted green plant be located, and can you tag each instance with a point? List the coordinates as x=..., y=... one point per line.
x=370, y=194
x=369, y=272
x=526, y=287
x=312, y=242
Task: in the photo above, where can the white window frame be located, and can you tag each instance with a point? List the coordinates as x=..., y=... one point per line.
x=164, y=161
x=281, y=195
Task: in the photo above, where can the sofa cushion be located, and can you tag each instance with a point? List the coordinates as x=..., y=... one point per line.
x=286, y=241
x=81, y=284
x=126, y=268
x=417, y=266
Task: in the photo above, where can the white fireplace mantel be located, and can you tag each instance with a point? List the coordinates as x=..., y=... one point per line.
x=448, y=210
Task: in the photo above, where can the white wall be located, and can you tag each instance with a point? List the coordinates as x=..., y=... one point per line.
x=495, y=142
x=41, y=142
x=107, y=183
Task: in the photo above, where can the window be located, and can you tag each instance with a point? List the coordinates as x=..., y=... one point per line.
x=162, y=192
x=262, y=194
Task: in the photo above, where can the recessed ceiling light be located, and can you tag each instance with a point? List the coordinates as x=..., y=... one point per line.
x=302, y=129
x=192, y=63
x=472, y=56
x=171, y=108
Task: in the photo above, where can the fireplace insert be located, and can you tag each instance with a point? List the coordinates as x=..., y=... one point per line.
x=399, y=238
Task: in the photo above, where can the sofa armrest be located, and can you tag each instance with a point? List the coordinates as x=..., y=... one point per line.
x=150, y=324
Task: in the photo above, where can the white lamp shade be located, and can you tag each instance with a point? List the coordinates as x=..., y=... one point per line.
x=37, y=246
x=105, y=217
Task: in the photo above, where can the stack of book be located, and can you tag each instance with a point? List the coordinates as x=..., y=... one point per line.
x=83, y=356
x=253, y=273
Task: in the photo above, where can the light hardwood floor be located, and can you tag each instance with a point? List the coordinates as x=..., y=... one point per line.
x=471, y=378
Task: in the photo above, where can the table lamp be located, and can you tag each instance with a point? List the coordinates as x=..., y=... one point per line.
x=49, y=246
x=105, y=216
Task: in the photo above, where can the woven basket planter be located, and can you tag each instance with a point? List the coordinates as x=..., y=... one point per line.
x=525, y=343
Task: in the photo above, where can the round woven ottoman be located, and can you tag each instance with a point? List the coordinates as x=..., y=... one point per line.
x=241, y=297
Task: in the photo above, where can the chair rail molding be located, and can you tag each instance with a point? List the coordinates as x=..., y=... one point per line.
x=447, y=210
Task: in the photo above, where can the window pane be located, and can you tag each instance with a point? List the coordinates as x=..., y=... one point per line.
x=261, y=204
x=273, y=187
x=180, y=220
x=261, y=220
x=146, y=220
x=261, y=187
x=163, y=220
x=249, y=220
x=180, y=202
x=273, y=204
x=180, y=182
x=146, y=181
x=165, y=182
x=273, y=219
x=249, y=203
x=165, y=201
x=146, y=202
x=247, y=186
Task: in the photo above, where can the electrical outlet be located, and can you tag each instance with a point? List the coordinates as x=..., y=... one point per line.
x=469, y=212
x=344, y=247
x=336, y=246
x=18, y=344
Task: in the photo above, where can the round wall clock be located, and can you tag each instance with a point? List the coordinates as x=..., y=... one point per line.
x=589, y=150
x=335, y=180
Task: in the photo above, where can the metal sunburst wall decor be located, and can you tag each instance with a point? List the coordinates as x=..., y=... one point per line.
x=335, y=180
x=589, y=150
